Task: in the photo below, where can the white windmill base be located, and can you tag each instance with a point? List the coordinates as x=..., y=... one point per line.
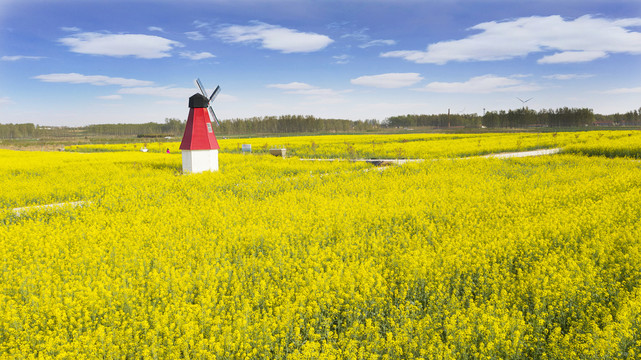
x=197, y=161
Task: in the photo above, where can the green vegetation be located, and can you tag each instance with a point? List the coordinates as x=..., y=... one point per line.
x=519, y=118
x=562, y=119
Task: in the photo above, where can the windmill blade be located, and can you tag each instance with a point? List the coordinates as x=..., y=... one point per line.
x=521, y=100
x=528, y=99
x=201, y=87
x=213, y=115
x=214, y=94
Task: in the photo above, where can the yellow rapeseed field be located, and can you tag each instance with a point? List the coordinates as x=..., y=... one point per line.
x=610, y=144
x=416, y=146
x=277, y=258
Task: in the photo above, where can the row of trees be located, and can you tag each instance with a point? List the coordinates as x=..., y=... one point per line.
x=256, y=125
x=437, y=121
x=31, y=131
x=175, y=127
x=524, y=117
x=519, y=118
x=18, y=131
x=170, y=127
x=629, y=118
x=292, y=124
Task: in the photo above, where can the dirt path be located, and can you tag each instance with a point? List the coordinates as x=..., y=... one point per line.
x=26, y=209
x=539, y=152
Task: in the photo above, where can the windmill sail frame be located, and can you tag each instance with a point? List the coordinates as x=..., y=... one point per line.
x=200, y=86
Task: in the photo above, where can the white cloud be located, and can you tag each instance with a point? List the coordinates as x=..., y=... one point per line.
x=170, y=102
x=481, y=85
x=315, y=92
x=5, y=101
x=201, y=24
x=636, y=90
x=341, y=59
x=389, y=81
x=312, y=93
x=292, y=86
x=323, y=100
x=110, y=97
x=361, y=36
x=171, y=92
x=161, y=91
x=196, y=56
x=274, y=37
x=627, y=22
x=155, y=28
x=377, y=43
x=572, y=57
x=100, y=80
x=520, y=75
x=583, y=39
x=20, y=57
x=70, y=28
x=358, y=35
x=195, y=35
x=222, y=97
x=568, y=76
x=119, y=45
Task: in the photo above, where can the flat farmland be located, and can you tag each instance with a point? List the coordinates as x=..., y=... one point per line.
x=278, y=258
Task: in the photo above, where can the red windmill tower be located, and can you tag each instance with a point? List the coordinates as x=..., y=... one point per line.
x=199, y=145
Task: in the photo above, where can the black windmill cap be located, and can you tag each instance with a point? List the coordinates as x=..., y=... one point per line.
x=198, y=101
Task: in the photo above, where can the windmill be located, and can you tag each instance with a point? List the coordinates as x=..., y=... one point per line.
x=199, y=144
x=524, y=101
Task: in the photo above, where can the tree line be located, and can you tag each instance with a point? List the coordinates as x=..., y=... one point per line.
x=629, y=118
x=292, y=124
x=169, y=127
x=285, y=124
x=18, y=131
x=561, y=117
x=174, y=127
x=524, y=117
x=518, y=118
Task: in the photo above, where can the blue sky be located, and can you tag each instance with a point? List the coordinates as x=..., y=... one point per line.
x=71, y=62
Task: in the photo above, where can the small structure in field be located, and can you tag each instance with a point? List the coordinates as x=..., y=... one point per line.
x=278, y=152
